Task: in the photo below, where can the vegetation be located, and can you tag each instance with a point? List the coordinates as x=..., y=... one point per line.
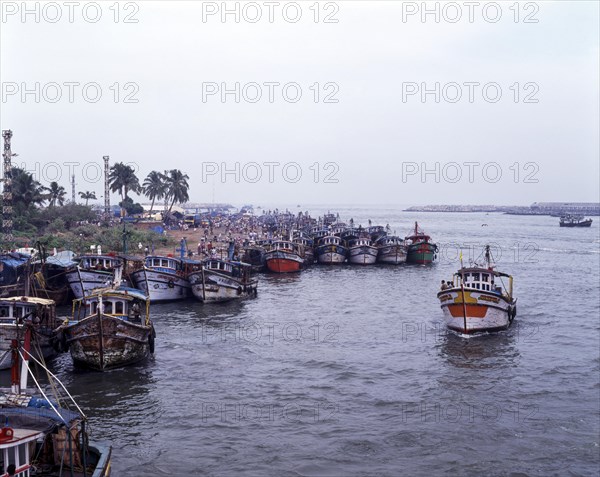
x=87, y=195
x=67, y=225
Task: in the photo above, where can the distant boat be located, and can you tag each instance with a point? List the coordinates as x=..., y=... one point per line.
x=223, y=280
x=575, y=221
x=284, y=257
x=478, y=300
x=420, y=248
x=330, y=250
x=361, y=250
x=110, y=328
x=391, y=249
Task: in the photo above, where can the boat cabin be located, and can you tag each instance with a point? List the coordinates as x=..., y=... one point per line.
x=127, y=303
x=330, y=240
x=98, y=262
x=482, y=279
x=284, y=246
x=15, y=445
x=18, y=308
x=232, y=269
x=389, y=240
x=360, y=242
x=163, y=264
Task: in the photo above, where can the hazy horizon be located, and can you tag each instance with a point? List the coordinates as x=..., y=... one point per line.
x=513, y=120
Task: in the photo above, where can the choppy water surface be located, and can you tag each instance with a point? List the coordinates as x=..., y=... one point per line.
x=349, y=371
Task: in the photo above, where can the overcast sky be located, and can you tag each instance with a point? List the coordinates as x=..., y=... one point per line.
x=363, y=135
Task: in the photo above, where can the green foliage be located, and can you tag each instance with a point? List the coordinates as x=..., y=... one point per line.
x=130, y=207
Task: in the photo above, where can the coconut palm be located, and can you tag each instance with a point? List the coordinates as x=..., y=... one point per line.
x=26, y=191
x=87, y=195
x=122, y=179
x=55, y=194
x=155, y=187
x=177, y=187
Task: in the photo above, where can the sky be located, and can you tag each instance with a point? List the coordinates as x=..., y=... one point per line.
x=347, y=102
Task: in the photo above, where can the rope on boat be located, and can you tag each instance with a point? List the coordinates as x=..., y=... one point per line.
x=59, y=382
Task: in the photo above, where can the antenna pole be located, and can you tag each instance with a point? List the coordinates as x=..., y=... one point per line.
x=106, y=189
x=7, y=196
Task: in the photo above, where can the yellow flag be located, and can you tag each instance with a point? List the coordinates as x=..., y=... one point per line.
x=460, y=257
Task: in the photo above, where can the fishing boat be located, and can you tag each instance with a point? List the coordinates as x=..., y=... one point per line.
x=165, y=278
x=575, y=221
x=478, y=300
x=376, y=232
x=306, y=248
x=391, y=249
x=254, y=255
x=14, y=272
x=36, y=313
x=109, y=328
x=420, y=249
x=49, y=276
x=330, y=250
x=223, y=280
x=284, y=257
x=38, y=438
x=92, y=271
x=361, y=250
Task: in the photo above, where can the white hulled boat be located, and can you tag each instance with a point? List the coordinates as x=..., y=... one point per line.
x=92, y=271
x=223, y=280
x=165, y=278
x=330, y=250
x=478, y=300
x=391, y=249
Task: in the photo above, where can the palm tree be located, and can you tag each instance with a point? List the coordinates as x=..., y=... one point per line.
x=122, y=179
x=87, y=195
x=155, y=187
x=55, y=194
x=26, y=191
x=177, y=187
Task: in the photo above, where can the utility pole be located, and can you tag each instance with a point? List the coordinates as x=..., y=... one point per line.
x=7, y=197
x=106, y=189
x=73, y=188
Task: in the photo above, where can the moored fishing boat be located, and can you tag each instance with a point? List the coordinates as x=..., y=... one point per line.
x=164, y=278
x=391, y=249
x=361, y=250
x=92, y=271
x=376, y=232
x=330, y=250
x=478, y=300
x=306, y=248
x=36, y=313
x=283, y=257
x=420, y=249
x=40, y=439
x=109, y=328
x=223, y=280
x=254, y=255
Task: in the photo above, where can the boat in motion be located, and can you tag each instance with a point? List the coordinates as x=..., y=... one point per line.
x=109, y=328
x=477, y=299
x=223, y=280
x=575, y=221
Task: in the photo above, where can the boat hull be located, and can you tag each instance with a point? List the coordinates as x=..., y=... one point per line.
x=161, y=286
x=422, y=253
x=480, y=311
x=392, y=254
x=216, y=287
x=84, y=281
x=585, y=223
x=331, y=254
x=283, y=262
x=104, y=342
x=362, y=255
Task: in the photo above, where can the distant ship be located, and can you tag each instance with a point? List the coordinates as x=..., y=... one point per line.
x=575, y=221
